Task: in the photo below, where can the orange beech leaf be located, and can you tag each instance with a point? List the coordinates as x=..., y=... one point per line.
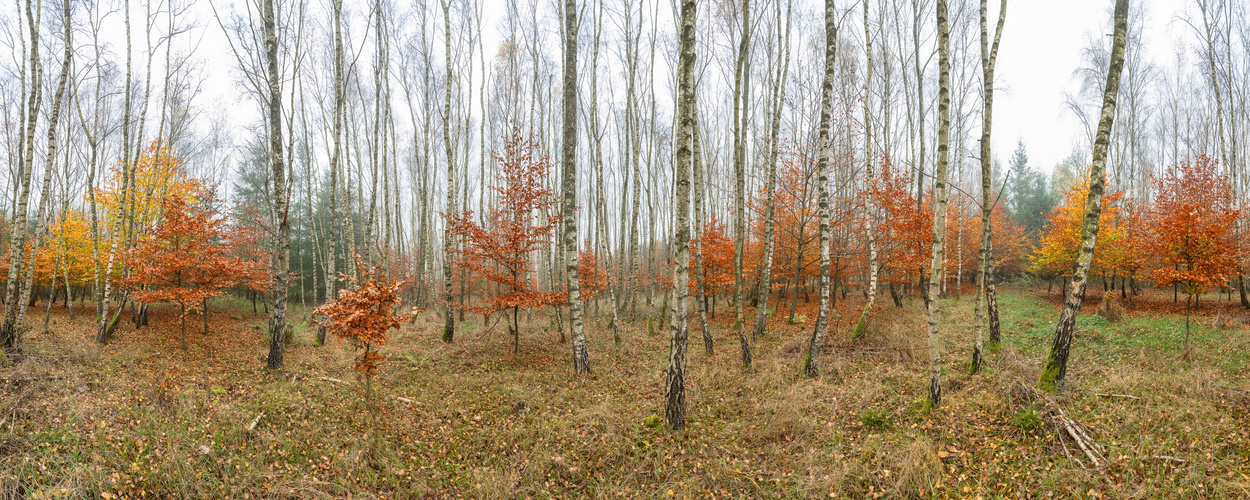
x=502, y=252
x=362, y=314
x=1192, y=224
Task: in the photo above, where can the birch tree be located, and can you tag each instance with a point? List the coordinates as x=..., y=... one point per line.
x=1056, y=367
x=985, y=264
x=939, y=205
x=281, y=201
x=31, y=89
x=777, y=103
x=675, y=383
x=870, y=233
x=741, y=115
x=823, y=146
x=568, y=144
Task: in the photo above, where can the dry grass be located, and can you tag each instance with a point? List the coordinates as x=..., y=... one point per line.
x=136, y=417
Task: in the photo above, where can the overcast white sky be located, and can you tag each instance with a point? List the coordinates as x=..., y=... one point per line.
x=1041, y=46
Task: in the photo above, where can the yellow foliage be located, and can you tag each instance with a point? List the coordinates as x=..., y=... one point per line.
x=157, y=173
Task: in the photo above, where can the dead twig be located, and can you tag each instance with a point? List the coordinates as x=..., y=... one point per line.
x=255, y=421
x=332, y=379
x=1169, y=458
x=23, y=380
x=1070, y=428
x=1124, y=396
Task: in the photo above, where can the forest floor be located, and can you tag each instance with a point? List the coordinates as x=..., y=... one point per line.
x=140, y=417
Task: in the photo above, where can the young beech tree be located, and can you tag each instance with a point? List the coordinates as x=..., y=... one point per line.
x=718, y=264
x=904, y=229
x=1192, y=238
x=186, y=259
x=1056, y=251
x=795, y=255
x=592, y=279
x=363, y=314
x=502, y=252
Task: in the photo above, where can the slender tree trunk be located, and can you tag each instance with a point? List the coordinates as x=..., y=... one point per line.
x=778, y=102
x=699, y=206
x=741, y=109
x=939, y=205
x=10, y=331
x=282, y=245
x=1055, y=369
x=336, y=159
x=870, y=201
x=581, y=360
x=988, y=56
x=675, y=385
x=991, y=296
x=812, y=365
x=449, y=325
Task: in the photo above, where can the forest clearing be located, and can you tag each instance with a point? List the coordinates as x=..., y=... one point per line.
x=139, y=417
x=625, y=249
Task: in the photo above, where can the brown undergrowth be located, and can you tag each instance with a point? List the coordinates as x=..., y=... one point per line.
x=140, y=417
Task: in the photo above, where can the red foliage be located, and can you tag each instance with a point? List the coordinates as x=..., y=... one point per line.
x=1192, y=220
x=904, y=231
x=502, y=253
x=188, y=257
x=795, y=231
x=718, y=260
x=592, y=279
x=364, y=313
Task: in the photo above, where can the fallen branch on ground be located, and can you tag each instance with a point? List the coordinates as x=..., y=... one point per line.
x=23, y=380
x=255, y=421
x=1069, y=428
x=1125, y=396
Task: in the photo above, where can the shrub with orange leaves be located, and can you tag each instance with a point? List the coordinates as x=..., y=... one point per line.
x=362, y=315
x=1009, y=243
x=718, y=260
x=904, y=230
x=591, y=277
x=796, y=247
x=1056, y=250
x=1192, y=221
x=186, y=259
x=502, y=251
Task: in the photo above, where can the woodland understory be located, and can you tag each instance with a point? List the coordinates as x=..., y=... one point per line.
x=140, y=417
x=620, y=249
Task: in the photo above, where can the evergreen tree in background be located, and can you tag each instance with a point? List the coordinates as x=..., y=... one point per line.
x=1029, y=192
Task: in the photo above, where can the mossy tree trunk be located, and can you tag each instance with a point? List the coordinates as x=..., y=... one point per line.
x=1055, y=370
